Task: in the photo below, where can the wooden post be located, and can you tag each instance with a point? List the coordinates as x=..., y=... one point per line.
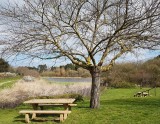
x=27, y=118
x=33, y=115
x=65, y=116
x=66, y=107
x=61, y=118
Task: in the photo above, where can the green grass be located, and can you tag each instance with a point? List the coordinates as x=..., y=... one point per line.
x=118, y=106
x=8, y=82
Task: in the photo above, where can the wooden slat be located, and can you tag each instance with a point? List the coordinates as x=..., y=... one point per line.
x=72, y=104
x=50, y=104
x=56, y=104
x=50, y=101
x=44, y=112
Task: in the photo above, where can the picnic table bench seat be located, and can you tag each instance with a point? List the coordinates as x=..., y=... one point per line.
x=63, y=114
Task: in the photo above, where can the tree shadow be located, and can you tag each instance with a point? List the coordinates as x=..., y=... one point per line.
x=39, y=118
x=132, y=102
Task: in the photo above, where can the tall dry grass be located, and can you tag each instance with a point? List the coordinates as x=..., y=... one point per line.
x=22, y=90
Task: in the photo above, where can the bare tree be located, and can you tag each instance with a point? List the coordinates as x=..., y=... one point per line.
x=84, y=31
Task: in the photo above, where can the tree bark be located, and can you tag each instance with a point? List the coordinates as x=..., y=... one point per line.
x=95, y=89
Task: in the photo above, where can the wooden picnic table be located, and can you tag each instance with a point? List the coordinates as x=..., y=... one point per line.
x=66, y=103
x=36, y=102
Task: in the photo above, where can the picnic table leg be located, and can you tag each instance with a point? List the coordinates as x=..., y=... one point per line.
x=61, y=118
x=148, y=92
x=35, y=106
x=65, y=116
x=27, y=118
x=66, y=106
x=33, y=115
x=142, y=94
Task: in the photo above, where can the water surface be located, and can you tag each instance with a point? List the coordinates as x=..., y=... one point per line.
x=68, y=79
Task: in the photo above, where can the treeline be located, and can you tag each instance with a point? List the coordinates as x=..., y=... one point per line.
x=69, y=70
x=121, y=75
x=131, y=74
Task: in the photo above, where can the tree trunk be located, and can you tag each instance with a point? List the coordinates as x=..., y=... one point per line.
x=95, y=90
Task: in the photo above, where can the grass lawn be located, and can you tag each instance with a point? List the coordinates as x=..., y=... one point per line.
x=118, y=106
x=8, y=82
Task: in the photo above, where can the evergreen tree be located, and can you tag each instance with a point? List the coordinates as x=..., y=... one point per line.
x=4, y=66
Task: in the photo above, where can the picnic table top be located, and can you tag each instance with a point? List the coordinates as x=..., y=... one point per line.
x=50, y=101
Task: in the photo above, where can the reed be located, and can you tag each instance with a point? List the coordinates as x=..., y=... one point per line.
x=21, y=91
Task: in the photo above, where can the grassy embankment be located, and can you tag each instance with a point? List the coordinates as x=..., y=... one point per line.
x=117, y=106
x=8, y=82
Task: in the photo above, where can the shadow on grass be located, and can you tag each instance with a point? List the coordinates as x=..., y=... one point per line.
x=152, y=102
x=39, y=118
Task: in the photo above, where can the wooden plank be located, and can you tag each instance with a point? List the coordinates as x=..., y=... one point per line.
x=65, y=116
x=33, y=115
x=61, y=118
x=27, y=118
x=72, y=104
x=44, y=112
x=50, y=104
x=56, y=104
x=50, y=101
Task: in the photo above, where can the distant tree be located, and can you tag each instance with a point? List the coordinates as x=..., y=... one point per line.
x=70, y=66
x=32, y=68
x=22, y=70
x=4, y=66
x=53, y=68
x=62, y=71
x=25, y=71
x=42, y=68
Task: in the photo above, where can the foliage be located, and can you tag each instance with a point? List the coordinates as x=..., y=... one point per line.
x=62, y=72
x=42, y=68
x=4, y=66
x=129, y=74
x=25, y=71
x=78, y=97
x=122, y=85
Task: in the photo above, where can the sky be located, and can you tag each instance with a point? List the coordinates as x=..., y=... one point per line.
x=140, y=55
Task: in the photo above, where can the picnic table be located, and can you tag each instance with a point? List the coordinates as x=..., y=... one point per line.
x=143, y=93
x=66, y=103
x=44, y=102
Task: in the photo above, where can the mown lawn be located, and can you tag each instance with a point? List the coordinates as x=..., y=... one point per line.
x=118, y=106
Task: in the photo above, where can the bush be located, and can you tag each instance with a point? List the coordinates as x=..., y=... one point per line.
x=77, y=97
x=122, y=85
x=24, y=71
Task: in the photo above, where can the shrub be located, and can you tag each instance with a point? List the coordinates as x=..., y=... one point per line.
x=24, y=71
x=122, y=85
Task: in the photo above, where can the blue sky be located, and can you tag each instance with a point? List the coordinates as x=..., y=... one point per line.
x=140, y=56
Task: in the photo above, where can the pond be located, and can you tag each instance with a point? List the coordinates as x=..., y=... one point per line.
x=69, y=79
